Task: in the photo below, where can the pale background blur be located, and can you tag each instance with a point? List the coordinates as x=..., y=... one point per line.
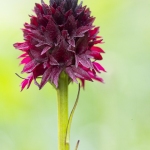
x=110, y=116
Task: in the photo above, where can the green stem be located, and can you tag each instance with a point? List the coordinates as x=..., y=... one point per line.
x=62, y=95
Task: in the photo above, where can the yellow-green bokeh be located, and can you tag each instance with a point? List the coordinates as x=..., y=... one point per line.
x=110, y=116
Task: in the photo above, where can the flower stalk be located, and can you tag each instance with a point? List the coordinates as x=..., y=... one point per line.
x=60, y=47
x=62, y=96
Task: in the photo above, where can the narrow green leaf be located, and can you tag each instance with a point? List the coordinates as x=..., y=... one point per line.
x=77, y=145
x=70, y=121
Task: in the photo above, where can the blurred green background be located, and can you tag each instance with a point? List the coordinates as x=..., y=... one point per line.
x=110, y=116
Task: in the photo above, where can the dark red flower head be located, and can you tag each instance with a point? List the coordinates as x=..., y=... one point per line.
x=60, y=37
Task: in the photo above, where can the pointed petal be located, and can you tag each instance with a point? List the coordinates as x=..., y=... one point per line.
x=97, y=49
x=76, y=61
x=22, y=46
x=30, y=66
x=80, y=73
x=25, y=60
x=98, y=41
x=71, y=25
x=45, y=7
x=84, y=60
x=30, y=78
x=53, y=61
x=45, y=77
x=64, y=33
x=26, y=82
x=55, y=75
x=95, y=77
x=71, y=42
x=96, y=55
x=98, y=67
x=71, y=74
x=82, y=83
x=81, y=30
x=52, y=33
x=94, y=32
x=23, y=55
x=23, y=84
x=45, y=49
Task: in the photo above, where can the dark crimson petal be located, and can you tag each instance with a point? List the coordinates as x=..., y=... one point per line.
x=84, y=60
x=30, y=66
x=94, y=32
x=33, y=21
x=45, y=7
x=64, y=33
x=39, y=71
x=98, y=79
x=71, y=25
x=30, y=78
x=55, y=75
x=51, y=74
x=41, y=43
x=36, y=83
x=23, y=55
x=74, y=3
x=26, y=82
x=25, y=60
x=45, y=77
x=82, y=83
x=60, y=52
x=93, y=76
x=71, y=49
x=22, y=46
x=79, y=9
x=38, y=9
x=52, y=33
x=80, y=73
x=52, y=2
x=71, y=74
x=96, y=55
x=37, y=36
x=29, y=26
x=90, y=21
x=81, y=30
x=98, y=41
x=76, y=61
x=68, y=13
x=26, y=31
x=98, y=67
x=53, y=61
x=82, y=45
x=71, y=42
x=97, y=49
x=45, y=49
x=58, y=17
x=35, y=53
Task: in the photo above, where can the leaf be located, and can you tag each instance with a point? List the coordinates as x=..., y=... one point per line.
x=70, y=119
x=77, y=145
